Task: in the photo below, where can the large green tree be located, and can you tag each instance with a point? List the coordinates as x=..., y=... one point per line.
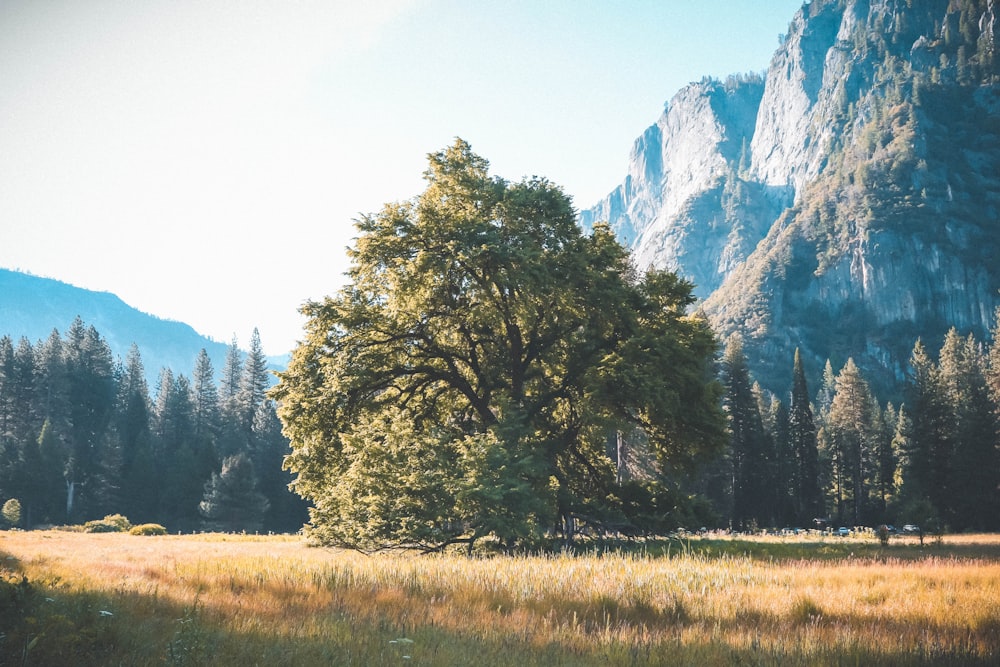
x=465, y=380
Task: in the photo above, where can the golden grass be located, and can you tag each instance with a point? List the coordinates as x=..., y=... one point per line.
x=229, y=600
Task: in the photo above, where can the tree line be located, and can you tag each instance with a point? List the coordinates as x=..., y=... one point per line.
x=490, y=373
x=82, y=436
x=841, y=456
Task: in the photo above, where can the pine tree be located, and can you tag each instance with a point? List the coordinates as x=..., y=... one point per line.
x=824, y=397
x=19, y=430
x=26, y=422
x=925, y=462
x=254, y=382
x=138, y=482
x=231, y=501
x=91, y=398
x=9, y=452
x=784, y=474
x=206, y=400
x=207, y=424
x=804, y=444
x=180, y=468
x=7, y=405
x=885, y=459
x=747, y=442
x=49, y=493
x=287, y=512
x=232, y=371
x=233, y=437
x=972, y=494
x=850, y=423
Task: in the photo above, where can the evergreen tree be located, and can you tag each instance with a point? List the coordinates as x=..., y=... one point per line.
x=824, y=397
x=287, y=511
x=20, y=427
x=973, y=480
x=180, y=467
x=26, y=422
x=231, y=501
x=232, y=372
x=804, y=444
x=206, y=401
x=748, y=447
x=10, y=455
x=207, y=419
x=785, y=473
x=7, y=405
x=885, y=460
x=53, y=385
x=233, y=436
x=254, y=382
x=850, y=424
x=48, y=496
x=925, y=461
x=91, y=398
x=139, y=475
x=483, y=322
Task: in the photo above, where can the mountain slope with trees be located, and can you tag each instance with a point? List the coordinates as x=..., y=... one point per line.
x=849, y=212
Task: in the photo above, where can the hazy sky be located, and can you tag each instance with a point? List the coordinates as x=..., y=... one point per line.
x=205, y=160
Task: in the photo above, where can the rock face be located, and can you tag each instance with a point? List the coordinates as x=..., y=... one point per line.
x=847, y=203
x=676, y=207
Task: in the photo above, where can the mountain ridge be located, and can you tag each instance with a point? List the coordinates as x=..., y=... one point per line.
x=33, y=306
x=861, y=211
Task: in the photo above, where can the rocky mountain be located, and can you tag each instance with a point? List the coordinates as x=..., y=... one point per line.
x=846, y=201
x=31, y=307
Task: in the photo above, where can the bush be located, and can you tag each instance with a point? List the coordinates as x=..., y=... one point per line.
x=148, y=529
x=112, y=523
x=12, y=511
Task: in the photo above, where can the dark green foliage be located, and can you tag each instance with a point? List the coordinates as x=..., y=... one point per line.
x=474, y=366
x=80, y=437
x=231, y=502
x=850, y=424
x=807, y=498
x=951, y=462
x=751, y=452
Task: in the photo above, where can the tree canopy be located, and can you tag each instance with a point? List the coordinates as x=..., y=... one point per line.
x=465, y=381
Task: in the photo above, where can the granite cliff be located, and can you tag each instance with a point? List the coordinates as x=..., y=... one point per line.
x=846, y=201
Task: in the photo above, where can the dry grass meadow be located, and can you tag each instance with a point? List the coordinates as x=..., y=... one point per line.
x=70, y=598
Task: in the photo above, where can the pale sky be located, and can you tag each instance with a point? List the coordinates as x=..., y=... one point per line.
x=205, y=160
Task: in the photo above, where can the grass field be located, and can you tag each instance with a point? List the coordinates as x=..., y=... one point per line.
x=108, y=599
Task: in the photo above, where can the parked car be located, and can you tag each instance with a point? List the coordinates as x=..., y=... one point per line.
x=843, y=531
x=910, y=529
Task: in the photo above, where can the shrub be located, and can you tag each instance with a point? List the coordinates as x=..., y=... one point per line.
x=12, y=511
x=148, y=529
x=112, y=523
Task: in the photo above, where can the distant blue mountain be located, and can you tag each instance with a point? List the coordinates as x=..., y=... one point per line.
x=31, y=307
